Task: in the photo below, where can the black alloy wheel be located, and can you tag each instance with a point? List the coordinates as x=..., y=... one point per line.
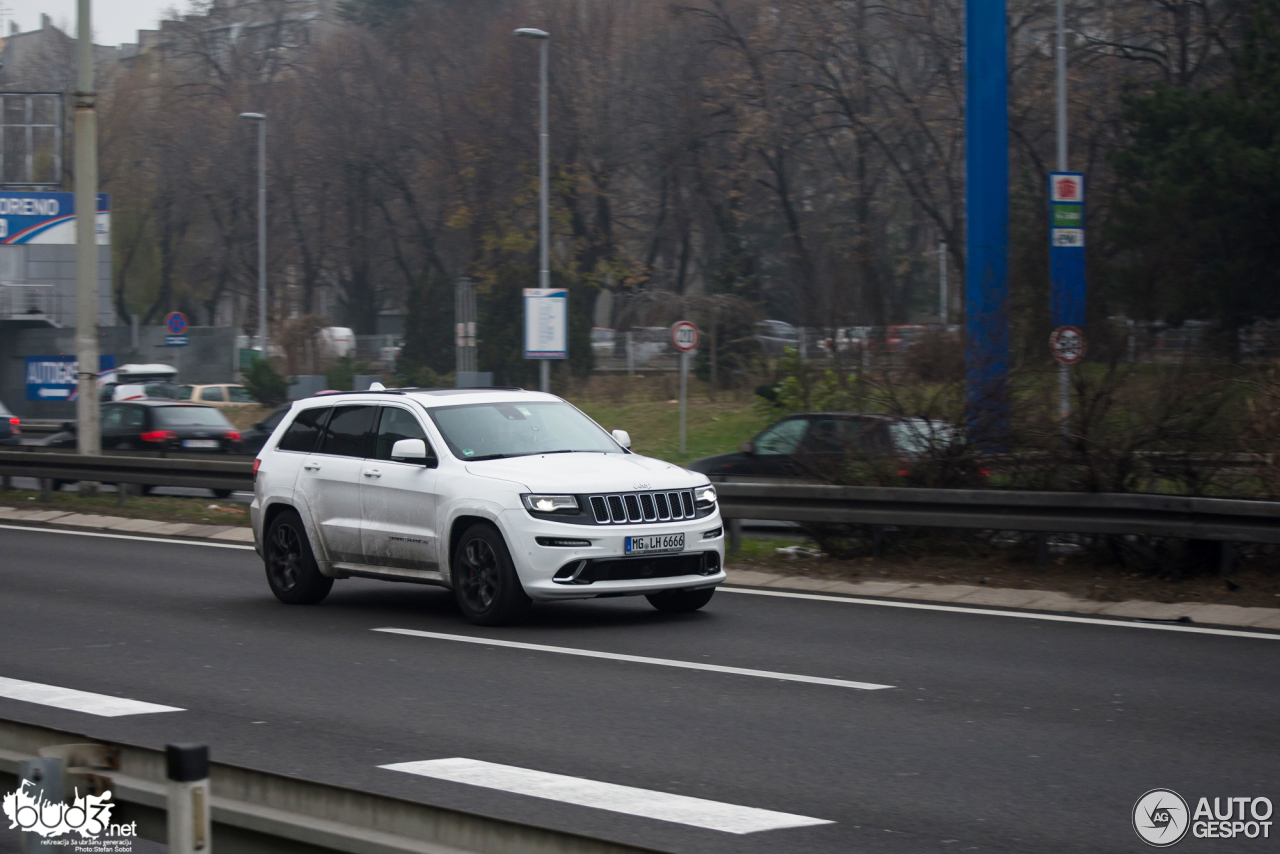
x=292, y=572
x=484, y=579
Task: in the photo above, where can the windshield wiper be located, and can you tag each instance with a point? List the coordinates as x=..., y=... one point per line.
x=491, y=457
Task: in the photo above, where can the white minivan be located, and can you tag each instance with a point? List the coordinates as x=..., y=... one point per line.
x=505, y=496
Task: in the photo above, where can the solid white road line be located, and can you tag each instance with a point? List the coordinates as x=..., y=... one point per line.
x=1120, y=622
x=77, y=701
x=127, y=537
x=640, y=659
x=663, y=806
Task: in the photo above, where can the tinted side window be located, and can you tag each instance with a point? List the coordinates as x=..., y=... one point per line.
x=135, y=417
x=212, y=393
x=112, y=417
x=782, y=438
x=397, y=424
x=304, y=431
x=350, y=431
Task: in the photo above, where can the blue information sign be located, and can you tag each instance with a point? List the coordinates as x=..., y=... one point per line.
x=48, y=218
x=54, y=377
x=1066, y=248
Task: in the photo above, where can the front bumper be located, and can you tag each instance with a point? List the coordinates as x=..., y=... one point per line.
x=605, y=558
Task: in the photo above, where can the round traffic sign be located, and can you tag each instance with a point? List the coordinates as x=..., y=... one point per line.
x=684, y=335
x=1067, y=344
x=176, y=322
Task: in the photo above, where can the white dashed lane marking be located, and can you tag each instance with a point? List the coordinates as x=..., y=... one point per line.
x=70, y=699
x=641, y=659
x=663, y=806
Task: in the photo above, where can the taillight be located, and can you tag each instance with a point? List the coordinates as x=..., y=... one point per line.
x=984, y=473
x=231, y=436
x=158, y=436
x=15, y=426
x=256, y=463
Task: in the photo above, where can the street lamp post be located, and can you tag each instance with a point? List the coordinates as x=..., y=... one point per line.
x=544, y=226
x=88, y=438
x=262, y=227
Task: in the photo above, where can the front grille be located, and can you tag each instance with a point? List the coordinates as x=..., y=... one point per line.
x=633, y=507
x=632, y=569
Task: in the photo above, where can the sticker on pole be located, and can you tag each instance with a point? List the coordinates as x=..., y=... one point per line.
x=684, y=335
x=1067, y=344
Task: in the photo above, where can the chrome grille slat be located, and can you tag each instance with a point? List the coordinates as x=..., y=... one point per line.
x=646, y=505
x=664, y=511
x=677, y=509
x=616, y=509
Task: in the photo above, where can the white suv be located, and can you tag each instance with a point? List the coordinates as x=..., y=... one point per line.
x=505, y=496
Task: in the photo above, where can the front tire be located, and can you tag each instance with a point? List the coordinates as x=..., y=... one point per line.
x=680, y=601
x=485, y=581
x=291, y=567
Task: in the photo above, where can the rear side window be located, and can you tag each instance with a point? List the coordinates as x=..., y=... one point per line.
x=349, y=432
x=239, y=394
x=213, y=392
x=305, y=430
x=190, y=416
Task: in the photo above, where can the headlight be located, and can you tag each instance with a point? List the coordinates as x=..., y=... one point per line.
x=551, y=503
x=705, y=495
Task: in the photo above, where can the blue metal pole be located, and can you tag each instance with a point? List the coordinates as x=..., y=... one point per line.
x=987, y=233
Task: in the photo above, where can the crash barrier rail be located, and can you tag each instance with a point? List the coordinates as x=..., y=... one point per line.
x=113, y=468
x=1222, y=520
x=177, y=795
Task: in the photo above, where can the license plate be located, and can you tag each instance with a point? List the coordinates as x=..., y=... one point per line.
x=655, y=543
x=199, y=443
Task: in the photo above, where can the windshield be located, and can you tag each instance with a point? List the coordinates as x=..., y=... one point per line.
x=487, y=431
x=190, y=416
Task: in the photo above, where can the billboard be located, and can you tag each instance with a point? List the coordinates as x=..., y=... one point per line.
x=546, y=323
x=48, y=218
x=54, y=377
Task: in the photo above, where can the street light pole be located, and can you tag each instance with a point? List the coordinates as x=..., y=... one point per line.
x=544, y=220
x=1064, y=370
x=262, y=228
x=86, y=161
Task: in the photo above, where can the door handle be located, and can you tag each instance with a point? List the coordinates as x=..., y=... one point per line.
x=373, y=473
x=311, y=467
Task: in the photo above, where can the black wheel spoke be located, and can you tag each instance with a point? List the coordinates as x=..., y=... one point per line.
x=480, y=577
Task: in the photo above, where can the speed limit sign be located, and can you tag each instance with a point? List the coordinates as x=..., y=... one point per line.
x=684, y=335
x=1067, y=344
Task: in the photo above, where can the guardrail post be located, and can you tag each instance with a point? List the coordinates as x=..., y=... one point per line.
x=1226, y=556
x=6, y=483
x=46, y=489
x=42, y=780
x=1042, y=549
x=187, y=767
x=734, y=527
x=122, y=494
x=877, y=541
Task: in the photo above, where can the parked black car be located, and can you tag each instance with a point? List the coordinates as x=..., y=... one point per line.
x=10, y=427
x=819, y=445
x=252, y=440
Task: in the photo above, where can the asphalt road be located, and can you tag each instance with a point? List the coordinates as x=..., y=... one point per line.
x=998, y=734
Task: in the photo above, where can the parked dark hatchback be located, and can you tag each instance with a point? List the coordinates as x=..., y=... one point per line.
x=159, y=425
x=815, y=445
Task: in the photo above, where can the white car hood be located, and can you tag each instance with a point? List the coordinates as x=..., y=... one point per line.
x=579, y=473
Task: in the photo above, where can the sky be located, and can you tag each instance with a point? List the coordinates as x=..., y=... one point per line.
x=114, y=21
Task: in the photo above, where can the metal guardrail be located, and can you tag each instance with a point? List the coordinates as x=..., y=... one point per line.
x=258, y=811
x=1226, y=520
x=149, y=470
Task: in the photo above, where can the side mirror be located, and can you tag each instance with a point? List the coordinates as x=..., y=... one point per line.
x=747, y=447
x=410, y=450
x=622, y=437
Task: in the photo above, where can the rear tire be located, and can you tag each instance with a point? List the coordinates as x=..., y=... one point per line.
x=680, y=601
x=292, y=572
x=484, y=579
x=222, y=493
